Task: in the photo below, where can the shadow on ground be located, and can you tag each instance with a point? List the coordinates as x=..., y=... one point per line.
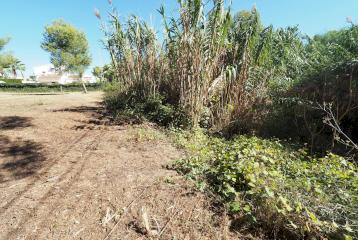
x=19, y=158
x=37, y=94
x=98, y=116
x=14, y=122
x=84, y=109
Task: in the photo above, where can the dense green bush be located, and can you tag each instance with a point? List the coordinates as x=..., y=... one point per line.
x=11, y=81
x=214, y=63
x=153, y=108
x=37, y=87
x=328, y=77
x=276, y=186
x=232, y=74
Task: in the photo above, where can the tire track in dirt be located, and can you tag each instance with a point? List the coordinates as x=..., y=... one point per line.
x=65, y=190
x=76, y=172
x=37, y=178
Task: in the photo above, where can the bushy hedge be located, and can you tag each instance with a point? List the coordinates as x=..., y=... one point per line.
x=277, y=187
x=37, y=87
x=130, y=103
x=11, y=81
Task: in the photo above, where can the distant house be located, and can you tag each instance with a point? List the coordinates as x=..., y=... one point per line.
x=48, y=74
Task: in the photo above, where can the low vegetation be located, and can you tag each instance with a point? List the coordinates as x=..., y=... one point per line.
x=38, y=88
x=274, y=186
x=279, y=111
x=11, y=81
x=128, y=103
x=229, y=73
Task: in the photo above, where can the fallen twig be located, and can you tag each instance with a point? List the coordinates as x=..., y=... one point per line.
x=125, y=209
x=167, y=223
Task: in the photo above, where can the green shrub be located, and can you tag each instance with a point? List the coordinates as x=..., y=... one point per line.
x=129, y=102
x=11, y=81
x=278, y=187
x=165, y=114
x=38, y=87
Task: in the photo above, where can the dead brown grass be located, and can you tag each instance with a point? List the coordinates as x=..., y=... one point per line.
x=96, y=180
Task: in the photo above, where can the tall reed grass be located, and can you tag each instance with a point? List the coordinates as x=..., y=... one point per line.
x=211, y=63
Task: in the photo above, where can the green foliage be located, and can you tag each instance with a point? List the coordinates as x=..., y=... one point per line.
x=231, y=74
x=105, y=73
x=68, y=47
x=98, y=72
x=9, y=64
x=18, y=87
x=165, y=114
x=129, y=102
x=11, y=81
x=332, y=51
x=133, y=48
x=145, y=134
x=329, y=76
x=277, y=186
x=213, y=63
x=108, y=73
x=6, y=60
x=3, y=42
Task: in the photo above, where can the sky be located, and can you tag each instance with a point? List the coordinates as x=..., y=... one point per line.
x=24, y=20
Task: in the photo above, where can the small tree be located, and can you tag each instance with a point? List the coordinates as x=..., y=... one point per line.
x=7, y=60
x=68, y=48
x=3, y=42
x=98, y=72
x=108, y=73
x=17, y=66
x=105, y=73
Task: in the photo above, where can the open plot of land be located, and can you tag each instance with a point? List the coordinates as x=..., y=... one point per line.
x=67, y=173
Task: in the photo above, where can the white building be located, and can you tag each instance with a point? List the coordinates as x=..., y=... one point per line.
x=47, y=74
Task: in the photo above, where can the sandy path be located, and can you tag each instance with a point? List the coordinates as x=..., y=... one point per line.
x=66, y=175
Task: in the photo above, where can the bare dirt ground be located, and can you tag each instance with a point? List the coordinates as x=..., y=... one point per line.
x=65, y=173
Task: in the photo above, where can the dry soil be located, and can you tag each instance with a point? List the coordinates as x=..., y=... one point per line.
x=66, y=172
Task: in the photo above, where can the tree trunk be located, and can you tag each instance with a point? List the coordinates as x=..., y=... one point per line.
x=22, y=75
x=84, y=87
x=83, y=83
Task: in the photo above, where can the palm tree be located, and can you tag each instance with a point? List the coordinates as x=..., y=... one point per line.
x=17, y=65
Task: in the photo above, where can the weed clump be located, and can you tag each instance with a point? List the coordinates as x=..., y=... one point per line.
x=153, y=108
x=277, y=186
